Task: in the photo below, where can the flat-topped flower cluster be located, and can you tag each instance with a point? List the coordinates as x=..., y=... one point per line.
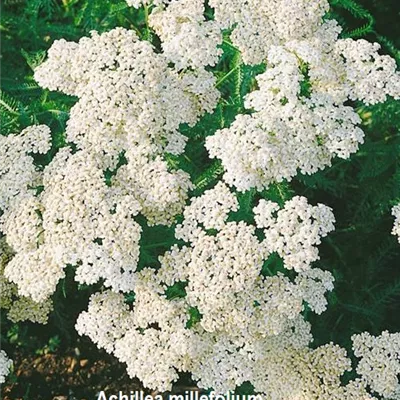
x=234, y=321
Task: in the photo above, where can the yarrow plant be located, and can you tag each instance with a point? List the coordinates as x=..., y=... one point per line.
x=215, y=305
x=5, y=365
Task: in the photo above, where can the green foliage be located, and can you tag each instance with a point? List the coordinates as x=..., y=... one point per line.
x=194, y=317
x=51, y=347
x=361, y=253
x=176, y=291
x=359, y=13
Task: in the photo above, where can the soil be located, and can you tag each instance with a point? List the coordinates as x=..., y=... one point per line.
x=71, y=374
x=75, y=374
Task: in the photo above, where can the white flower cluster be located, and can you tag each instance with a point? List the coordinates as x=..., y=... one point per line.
x=260, y=25
x=396, y=226
x=107, y=319
x=151, y=339
x=187, y=39
x=234, y=320
x=130, y=102
x=155, y=341
x=160, y=193
x=156, y=346
x=380, y=362
x=36, y=273
x=226, y=266
x=5, y=366
x=76, y=220
x=26, y=309
x=299, y=119
x=295, y=230
x=21, y=219
x=89, y=224
x=128, y=96
x=209, y=211
x=240, y=311
x=18, y=174
x=370, y=76
x=19, y=308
